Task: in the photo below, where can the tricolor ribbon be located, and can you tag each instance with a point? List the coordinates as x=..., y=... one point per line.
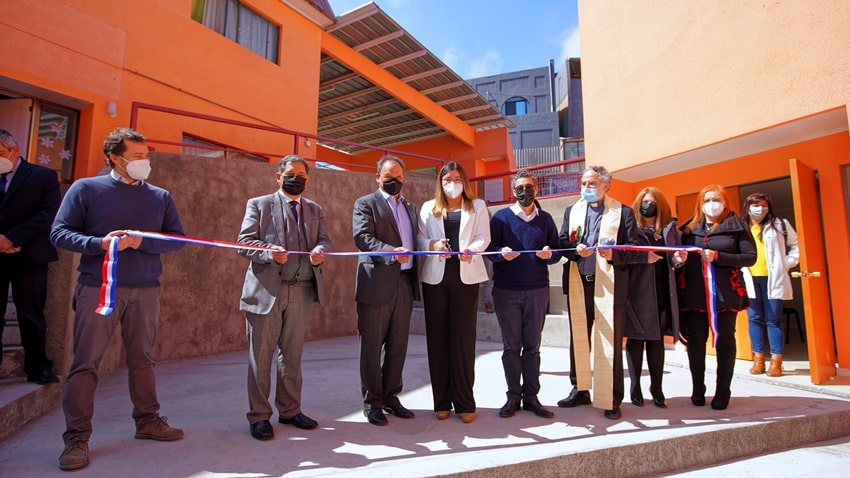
x=109, y=271
x=110, y=263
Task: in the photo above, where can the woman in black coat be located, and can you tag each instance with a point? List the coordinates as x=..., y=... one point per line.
x=652, y=309
x=727, y=243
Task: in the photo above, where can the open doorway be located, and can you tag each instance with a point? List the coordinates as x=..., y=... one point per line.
x=793, y=318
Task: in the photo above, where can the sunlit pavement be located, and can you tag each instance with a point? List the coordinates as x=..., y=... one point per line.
x=206, y=397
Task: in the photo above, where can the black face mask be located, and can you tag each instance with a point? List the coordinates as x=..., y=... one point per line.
x=525, y=196
x=392, y=187
x=294, y=185
x=648, y=209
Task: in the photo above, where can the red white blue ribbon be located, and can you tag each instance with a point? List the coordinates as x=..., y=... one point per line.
x=109, y=271
x=110, y=263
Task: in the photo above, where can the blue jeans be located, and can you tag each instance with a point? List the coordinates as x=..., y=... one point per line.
x=765, y=312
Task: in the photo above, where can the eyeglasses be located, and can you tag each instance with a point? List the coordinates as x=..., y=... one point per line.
x=456, y=180
x=520, y=189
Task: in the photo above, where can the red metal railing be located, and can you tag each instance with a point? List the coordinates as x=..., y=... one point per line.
x=296, y=135
x=561, y=178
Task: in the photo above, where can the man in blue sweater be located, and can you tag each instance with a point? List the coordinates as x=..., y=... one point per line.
x=521, y=290
x=93, y=213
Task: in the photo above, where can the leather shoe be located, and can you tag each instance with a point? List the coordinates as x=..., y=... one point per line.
x=399, y=410
x=535, y=407
x=262, y=430
x=698, y=400
x=637, y=401
x=659, y=402
x=376, y=417
x=300, y=421
x=510, y=407
x=43, y=378
x=443, y=414
x=575, y=399
x=613, y=414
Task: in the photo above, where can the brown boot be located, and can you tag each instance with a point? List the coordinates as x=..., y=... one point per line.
x=775, y=369
x=758, y=363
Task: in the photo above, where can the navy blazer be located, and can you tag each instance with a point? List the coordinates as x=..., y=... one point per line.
x=27, y=211
x=374, y=228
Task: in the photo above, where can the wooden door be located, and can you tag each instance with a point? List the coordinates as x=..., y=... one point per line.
x=820, y=338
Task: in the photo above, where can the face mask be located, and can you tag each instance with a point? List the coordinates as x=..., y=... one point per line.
x=590, y=194
x=139, y=169
x=525, y=196
x=757, y=212
x=392, y=187
x=294, y=185
x=712, y=209
x=6, y=165
x=453, y=190
x=648, y=209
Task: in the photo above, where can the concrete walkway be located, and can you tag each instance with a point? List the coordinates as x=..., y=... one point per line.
x=206, y=397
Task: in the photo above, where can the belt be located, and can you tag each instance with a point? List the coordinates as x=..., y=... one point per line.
x=586, y=278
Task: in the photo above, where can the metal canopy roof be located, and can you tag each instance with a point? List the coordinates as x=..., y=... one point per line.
x=353, y=109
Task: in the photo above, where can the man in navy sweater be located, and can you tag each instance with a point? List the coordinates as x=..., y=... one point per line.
x=93, y=212
x=521, y=290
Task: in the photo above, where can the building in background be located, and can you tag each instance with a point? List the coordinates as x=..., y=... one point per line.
x=546, y=108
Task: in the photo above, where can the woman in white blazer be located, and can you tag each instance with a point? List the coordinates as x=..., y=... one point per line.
x=454, y=221
x=768, y=282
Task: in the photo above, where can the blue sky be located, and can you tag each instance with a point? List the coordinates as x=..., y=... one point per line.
x=480, y=38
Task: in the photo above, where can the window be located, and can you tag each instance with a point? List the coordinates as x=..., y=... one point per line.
x=239, y=23
x=515, y=106
x=57, y=139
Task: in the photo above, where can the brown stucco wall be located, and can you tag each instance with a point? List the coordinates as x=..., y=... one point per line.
x=202, y=284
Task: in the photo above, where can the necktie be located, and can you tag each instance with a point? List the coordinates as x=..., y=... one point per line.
x=2, y=186
x=294, y=206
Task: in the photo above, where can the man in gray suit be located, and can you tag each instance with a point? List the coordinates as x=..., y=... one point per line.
x=385, y=289
x=279, y=291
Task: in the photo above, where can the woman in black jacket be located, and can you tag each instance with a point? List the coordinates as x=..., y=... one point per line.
x=726, y=242
x=652, y=309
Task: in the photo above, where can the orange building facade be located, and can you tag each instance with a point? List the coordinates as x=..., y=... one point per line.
x=91, y=61
x=750, y=95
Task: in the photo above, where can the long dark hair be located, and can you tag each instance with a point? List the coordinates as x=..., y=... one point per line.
x=768, y=218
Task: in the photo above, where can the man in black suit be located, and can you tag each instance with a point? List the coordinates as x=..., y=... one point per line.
x=385, y=289
x=29, y=199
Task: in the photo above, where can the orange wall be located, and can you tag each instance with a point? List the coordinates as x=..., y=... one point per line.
x=827, y=155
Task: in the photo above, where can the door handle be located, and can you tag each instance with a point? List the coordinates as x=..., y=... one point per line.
x=805, y=275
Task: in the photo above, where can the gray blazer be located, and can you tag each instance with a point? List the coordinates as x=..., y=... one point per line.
x=265, y=222
x=374, y=228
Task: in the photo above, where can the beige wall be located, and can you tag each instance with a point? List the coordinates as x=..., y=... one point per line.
x=662, y=77
x=202, y=284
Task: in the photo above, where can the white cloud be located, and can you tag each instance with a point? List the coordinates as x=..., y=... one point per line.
x=452, y=58
x=570, y=45
x=490, y=63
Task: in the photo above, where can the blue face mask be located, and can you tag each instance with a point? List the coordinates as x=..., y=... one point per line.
x=590, y=194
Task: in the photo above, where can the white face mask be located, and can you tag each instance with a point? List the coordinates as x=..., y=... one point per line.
x=453, y=190
x=6, y=165
x=139, y=169
x=757, y=212
x=712, y=209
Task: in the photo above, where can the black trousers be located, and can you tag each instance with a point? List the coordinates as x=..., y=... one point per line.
x=694, y=327
x=619, y=320
x=451, y=316
x=654, y=361
x=29, y=293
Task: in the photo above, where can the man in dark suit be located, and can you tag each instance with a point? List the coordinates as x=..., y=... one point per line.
x=385, y=289
x=279, y=291
x=29, y=199
x=589, y=277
